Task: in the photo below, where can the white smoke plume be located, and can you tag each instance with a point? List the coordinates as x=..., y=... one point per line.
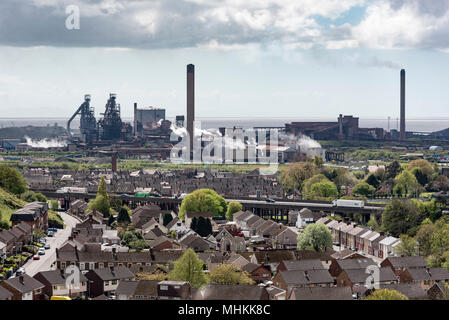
x=303, y=143
x=46, y=143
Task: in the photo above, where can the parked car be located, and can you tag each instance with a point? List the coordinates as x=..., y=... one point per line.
x=53, y=229
x=271, y=200
x=36, y=257
x=41, y=251
x=47, y=246
x=43, y=240
x=50, y=233
x=20, y=271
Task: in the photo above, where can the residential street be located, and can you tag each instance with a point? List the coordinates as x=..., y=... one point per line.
x=45, y=263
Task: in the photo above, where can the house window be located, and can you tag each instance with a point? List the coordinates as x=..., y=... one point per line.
x=106, y=283
x=177, y=287
x=101, y=265
x=55, y=287
x=164, y=287
x=114, y=282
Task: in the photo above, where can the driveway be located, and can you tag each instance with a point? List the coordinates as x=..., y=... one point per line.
x=46, y=261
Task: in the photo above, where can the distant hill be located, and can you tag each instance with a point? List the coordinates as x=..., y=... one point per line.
x=34, y=132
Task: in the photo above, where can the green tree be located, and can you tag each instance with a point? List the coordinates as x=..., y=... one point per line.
x=407, y=247
x=30, y=196
x=11, y=179
x=373, y=224
x=138, y=244
x=318, y=161
x=323, y=190
x=440, y=240
x=386, y=294
x=101, y=204
x=424, y=238
x=363, y=189
x=315, y=237
x=167, y=219
x=102, y=188
x=123, y=216
x=406, y=184
x=203, y=200
x=423, y=168
x=307, y=184
x=392, y=170
x=54, y=205
x=189, y=268
x=293, y=175
x=373, y=181
x=228, y=274
x=399, y=217
x=233, y=207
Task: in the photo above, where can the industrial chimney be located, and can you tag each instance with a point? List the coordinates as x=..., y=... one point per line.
x=402, y=125
x=190, y=102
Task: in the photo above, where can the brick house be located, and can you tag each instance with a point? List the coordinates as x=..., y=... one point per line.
x=257, y=272
x=23, y=287
x=106, y=280
x=35, y=214
x=426, y=277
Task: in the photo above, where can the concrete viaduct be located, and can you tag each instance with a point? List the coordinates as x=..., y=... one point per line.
x=277, y=211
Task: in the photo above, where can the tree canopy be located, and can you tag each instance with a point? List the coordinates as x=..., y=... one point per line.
x=315, y=237
x=293, y=175
x=363, y=189
x=203, y=200
x=400, y=217
x=11, y=179
x=123, y=216
x=233, y=207
x=386, y=294
x=230, y=275
x=189, y=268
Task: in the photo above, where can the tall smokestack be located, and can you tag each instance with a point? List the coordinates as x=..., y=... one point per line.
x=135, y=119
x=402, y=125
x=190, y=102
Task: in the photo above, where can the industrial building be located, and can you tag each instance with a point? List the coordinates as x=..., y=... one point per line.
x=345, y=128
x=147, y=119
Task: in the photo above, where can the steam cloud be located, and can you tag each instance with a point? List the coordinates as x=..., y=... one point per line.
x=45, y=143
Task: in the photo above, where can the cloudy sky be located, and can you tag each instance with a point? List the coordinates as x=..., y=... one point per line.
x=254, y=58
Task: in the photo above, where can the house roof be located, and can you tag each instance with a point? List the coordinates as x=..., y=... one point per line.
x=388, y=241
x=267, y=257
x=311, y=264
x=407, y=262
x=318, y=293
x=429, y=274
x=229, y=292
x=55, y=277
x=410, y=290
x=360, y=275
x=358, y=263
x=147, y=288
x=115, y=273
x=127, y=288
x=299, y=277
x=28, y=284
x=250, y=267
